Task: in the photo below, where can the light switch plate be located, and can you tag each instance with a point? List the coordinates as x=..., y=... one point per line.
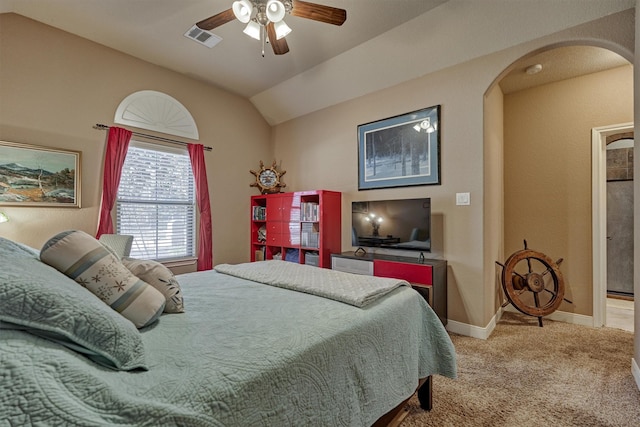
x=463, y=199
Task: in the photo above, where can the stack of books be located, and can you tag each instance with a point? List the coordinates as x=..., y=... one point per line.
x=259, y=213
x=309, y=211
x=309, y=235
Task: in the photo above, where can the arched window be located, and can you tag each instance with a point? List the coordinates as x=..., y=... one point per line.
x=156, y=111
x=156, y=200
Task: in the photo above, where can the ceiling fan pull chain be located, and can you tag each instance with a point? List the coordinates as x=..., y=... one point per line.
x=262, y=37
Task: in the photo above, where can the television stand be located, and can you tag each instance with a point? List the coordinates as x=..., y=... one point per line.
x=427, y=276
x=360, y=251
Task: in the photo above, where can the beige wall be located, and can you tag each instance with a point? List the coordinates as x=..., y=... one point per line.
x=547, y=177
x=493, y=196
x=54, y=86
x=319, y=150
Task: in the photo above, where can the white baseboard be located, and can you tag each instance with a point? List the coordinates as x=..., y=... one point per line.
x=473, y=331
x=484, y=332
x=635, y=371
x=562, y=316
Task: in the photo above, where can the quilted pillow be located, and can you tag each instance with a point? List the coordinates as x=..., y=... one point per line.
x=42, y=301
x=161, y=278
x=85, y=260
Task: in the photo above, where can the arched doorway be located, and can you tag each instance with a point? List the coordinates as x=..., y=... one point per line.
x=547, y=160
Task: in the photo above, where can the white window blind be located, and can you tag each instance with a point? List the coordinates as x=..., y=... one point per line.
x=156, y=202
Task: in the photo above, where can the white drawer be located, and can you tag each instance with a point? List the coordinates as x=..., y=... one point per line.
x=350, y=265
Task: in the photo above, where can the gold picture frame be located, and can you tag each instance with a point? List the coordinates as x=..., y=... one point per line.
x=31, y=175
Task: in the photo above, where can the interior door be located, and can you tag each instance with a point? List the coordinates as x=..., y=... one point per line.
x=620, y=217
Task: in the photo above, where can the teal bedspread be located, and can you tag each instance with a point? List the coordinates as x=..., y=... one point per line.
x=242, y=354
x=354, y=289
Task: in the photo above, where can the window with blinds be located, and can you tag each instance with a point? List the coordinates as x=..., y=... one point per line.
x=156, y=202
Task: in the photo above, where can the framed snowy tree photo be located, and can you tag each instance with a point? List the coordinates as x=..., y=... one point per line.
x=400, y=151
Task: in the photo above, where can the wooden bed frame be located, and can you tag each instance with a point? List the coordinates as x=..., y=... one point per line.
x=395, y=417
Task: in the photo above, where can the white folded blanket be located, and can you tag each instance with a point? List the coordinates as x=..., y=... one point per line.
x=357, y=290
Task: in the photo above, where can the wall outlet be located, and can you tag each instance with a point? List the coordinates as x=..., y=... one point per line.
x=463, y=199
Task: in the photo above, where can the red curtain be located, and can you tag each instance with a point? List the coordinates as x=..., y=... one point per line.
x=117, y=145
x=205, y=251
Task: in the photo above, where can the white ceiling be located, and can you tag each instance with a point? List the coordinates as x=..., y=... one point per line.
x=154, y=30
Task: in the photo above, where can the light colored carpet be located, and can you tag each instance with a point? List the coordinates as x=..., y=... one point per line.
x=523, y=375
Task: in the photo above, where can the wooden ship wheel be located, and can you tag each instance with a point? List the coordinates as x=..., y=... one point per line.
x=532, y=283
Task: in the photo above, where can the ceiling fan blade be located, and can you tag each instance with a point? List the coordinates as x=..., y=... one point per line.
x=318, y=12
x=216, y=20
x=280, y=47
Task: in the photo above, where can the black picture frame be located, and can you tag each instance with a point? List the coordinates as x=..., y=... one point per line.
x=400, y=151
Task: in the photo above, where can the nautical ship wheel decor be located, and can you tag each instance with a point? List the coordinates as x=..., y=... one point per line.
x=532, y=283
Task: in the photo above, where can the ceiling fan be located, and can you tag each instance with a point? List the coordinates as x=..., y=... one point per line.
x=266, y=16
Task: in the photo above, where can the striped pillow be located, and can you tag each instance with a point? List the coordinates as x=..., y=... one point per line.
x=88, y=262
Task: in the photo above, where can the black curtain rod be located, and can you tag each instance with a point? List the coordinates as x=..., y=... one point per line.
x=155, y=138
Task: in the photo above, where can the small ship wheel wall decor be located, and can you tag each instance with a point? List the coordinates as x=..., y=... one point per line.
x=532, y=283
x=268, y=179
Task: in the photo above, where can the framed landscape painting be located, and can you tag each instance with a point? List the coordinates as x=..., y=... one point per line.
x=400, y=151
x=31, y=175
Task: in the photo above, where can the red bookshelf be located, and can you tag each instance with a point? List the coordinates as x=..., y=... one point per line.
x=302, y=226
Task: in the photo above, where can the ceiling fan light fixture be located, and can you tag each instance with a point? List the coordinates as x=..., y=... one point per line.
x=242, y=9
x=261, y=17
x=252, y=30
x=282, y=29
x=275, y=11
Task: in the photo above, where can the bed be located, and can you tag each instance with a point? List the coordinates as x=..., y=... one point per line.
x=242, y=353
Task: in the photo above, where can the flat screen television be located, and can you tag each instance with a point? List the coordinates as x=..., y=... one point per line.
x=392, y=224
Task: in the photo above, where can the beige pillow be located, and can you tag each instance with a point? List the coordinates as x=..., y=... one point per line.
x=161, y=278
x=85, y=260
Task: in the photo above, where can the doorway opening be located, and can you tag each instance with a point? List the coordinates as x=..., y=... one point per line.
x=612, y=187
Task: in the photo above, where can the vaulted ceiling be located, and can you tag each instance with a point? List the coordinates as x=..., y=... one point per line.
x=154, y=30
